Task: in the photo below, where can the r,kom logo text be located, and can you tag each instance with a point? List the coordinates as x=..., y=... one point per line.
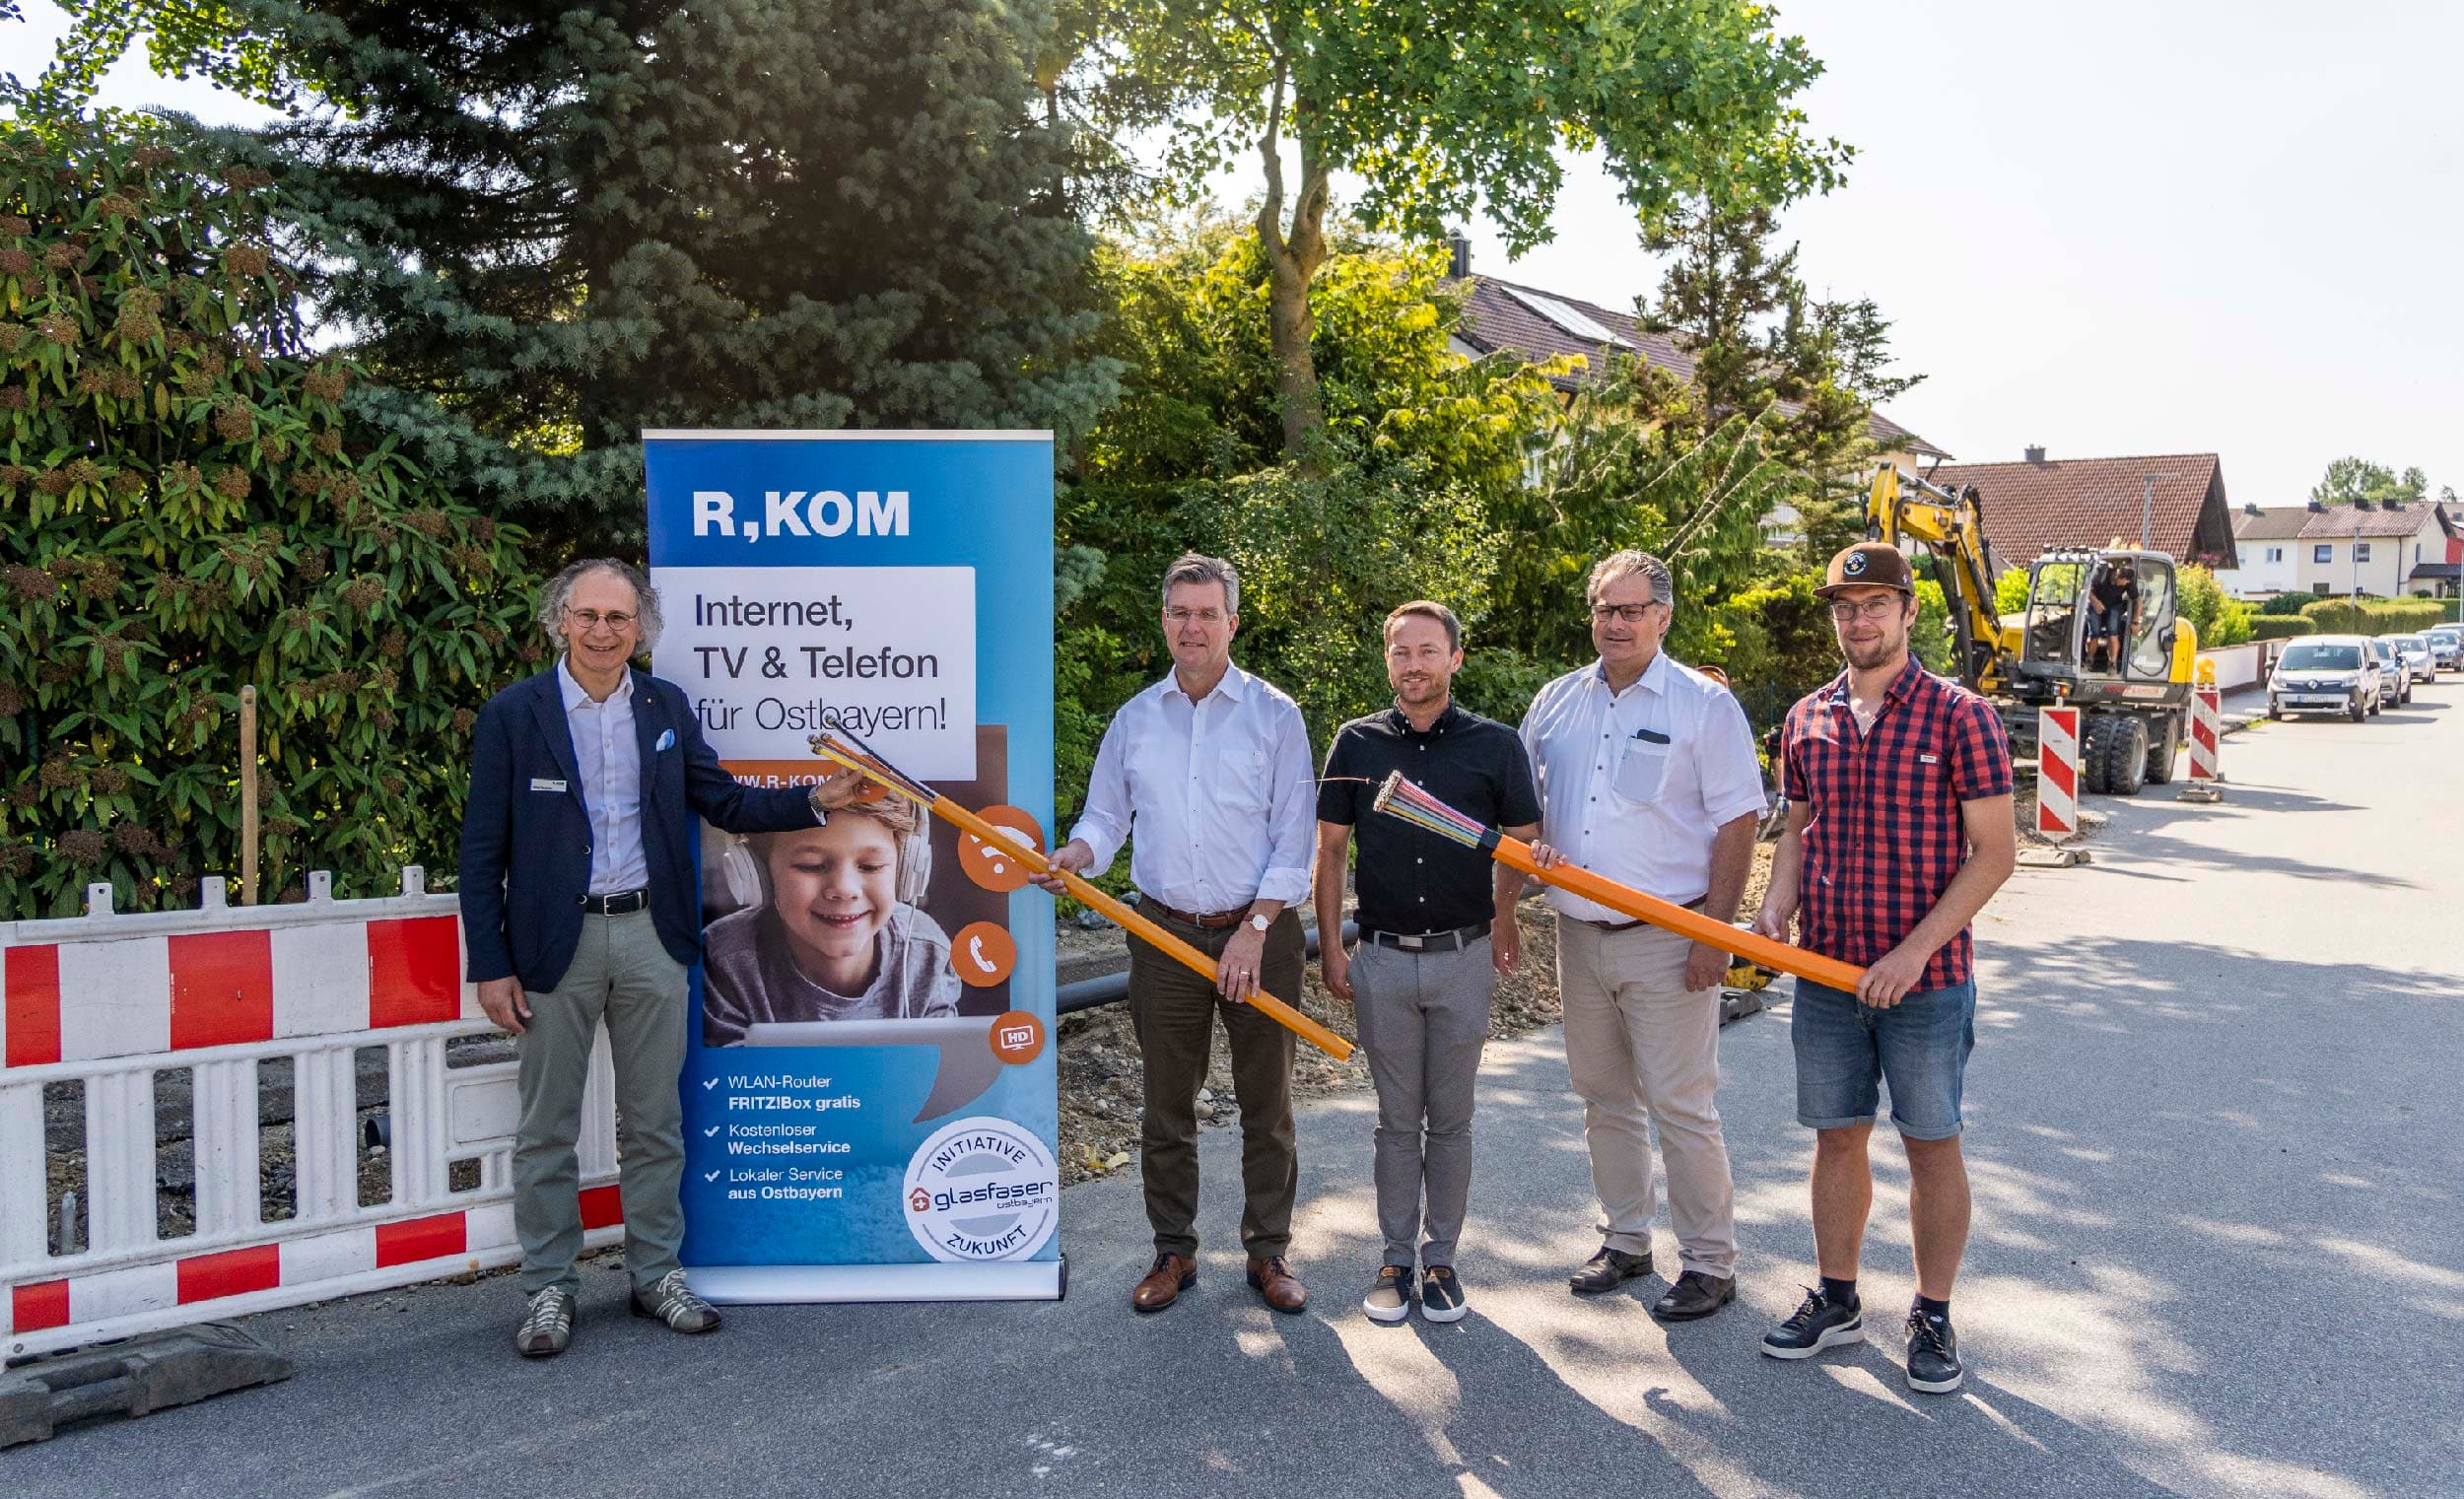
x=798, y=512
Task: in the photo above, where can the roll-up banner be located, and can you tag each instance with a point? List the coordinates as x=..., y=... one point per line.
x=869, y=1089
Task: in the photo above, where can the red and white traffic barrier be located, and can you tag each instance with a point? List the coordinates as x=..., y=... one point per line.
x=2207, y=725
x=107, y=1001
x=2057, y=772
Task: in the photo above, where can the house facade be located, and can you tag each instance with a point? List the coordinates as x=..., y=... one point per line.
x=2268, y=545
x=2386, y=550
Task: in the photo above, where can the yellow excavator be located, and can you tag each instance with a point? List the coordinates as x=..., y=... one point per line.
x=2132, y=688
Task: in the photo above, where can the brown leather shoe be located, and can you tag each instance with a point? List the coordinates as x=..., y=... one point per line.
x=1165, y=1280
x=1275, y=1284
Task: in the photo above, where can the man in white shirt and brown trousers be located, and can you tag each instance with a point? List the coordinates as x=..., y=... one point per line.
x=1212, y=768
x=1647, y=776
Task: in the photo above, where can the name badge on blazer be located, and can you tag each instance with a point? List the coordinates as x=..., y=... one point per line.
x=537, y=784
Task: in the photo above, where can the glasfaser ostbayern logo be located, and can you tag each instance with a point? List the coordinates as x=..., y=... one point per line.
x=983, y=1189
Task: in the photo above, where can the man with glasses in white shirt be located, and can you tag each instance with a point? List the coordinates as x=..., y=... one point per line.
x=1210, y=767
x=1647, y=776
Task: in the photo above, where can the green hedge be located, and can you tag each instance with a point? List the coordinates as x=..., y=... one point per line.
x=2277, y=627
x=2343, y=616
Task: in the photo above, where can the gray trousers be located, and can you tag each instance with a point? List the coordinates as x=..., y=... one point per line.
x=621, y=975
x=1423, y=1018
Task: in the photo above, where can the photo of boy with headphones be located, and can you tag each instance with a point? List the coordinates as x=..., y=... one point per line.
x=832, y=928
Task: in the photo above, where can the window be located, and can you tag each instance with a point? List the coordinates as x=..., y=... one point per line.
x=2360, y=551
x=2276, y=554
x=2319, y=588
x=2323, y=552
x=2417, y=551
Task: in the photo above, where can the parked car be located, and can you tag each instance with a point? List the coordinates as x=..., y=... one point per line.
x=2399, y=677
x=2421, y=666
x=2326, y=673
x=2446, y=645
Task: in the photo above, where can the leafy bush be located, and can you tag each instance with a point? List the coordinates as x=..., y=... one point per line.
x=2278, y=626
x=2284, y=605
x=1784, y=644
x=1930, y=637
x=2011, y=590
x=186, y=510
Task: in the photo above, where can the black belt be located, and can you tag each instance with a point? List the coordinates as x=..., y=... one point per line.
x=1428, y=941
x=1694, y=905
x=621, y=903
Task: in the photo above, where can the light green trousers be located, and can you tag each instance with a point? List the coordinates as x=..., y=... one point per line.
x=621, y=975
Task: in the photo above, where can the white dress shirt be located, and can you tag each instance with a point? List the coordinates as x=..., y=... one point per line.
x=1221, y=792
x=1638, y=811
x=609, y=759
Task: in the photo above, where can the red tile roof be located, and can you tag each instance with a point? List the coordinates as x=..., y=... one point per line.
x=2095, y=502
x=1494, y=318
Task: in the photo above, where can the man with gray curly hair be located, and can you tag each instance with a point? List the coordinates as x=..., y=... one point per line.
x=580, y=842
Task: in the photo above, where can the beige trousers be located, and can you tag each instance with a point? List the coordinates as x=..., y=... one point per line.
x=1641, y=1048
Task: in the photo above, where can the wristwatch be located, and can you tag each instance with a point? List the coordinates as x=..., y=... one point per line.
x=821, y=814
x=1259, y=921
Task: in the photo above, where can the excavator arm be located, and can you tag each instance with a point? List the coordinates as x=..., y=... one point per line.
x=1903, y=508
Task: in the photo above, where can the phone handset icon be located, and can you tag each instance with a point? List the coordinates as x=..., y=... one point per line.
x=981, y=954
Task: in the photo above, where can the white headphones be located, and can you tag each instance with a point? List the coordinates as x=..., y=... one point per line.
x=748, y=883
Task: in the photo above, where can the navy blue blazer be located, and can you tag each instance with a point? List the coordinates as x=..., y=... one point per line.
x=526, y=850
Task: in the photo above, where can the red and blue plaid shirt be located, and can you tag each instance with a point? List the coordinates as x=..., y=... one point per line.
x=1883, y=835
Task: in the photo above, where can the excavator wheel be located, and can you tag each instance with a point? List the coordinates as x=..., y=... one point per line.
x=2162, y=748
x=2113, y=755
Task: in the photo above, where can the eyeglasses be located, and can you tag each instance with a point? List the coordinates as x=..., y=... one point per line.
x=1179, y=616
x=1632, y=614
x=1872, y=608
x=591, y=619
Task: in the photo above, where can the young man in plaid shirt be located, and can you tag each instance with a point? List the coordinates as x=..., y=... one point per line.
x=1898, y=831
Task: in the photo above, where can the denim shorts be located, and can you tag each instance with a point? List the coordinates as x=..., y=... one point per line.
x=1846, y=1050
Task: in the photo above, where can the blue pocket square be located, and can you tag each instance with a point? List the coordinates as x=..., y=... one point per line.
x=666, y=741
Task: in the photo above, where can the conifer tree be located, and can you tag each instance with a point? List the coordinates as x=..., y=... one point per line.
x=548, y=225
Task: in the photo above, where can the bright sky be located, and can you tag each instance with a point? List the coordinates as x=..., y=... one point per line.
x=2137, y=229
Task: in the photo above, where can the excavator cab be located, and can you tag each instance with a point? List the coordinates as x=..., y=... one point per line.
x=2101, y=627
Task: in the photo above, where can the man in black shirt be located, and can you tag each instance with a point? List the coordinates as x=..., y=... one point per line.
x=1437, y=927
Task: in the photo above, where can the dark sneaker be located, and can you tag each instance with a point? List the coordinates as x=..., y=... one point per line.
x=1441, y=1295
x=1695, y=1295
x=1820, y=1324
x=1390, y=1298
x=547, y=1325
x=1933, y=1354
x=673, y=1303
x=1607, y=1271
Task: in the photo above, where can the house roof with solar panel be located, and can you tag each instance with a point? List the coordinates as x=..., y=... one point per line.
x=1501, y=315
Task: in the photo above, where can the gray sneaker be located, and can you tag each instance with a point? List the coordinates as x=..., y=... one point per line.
x=547, y=1327
x=673, y=1302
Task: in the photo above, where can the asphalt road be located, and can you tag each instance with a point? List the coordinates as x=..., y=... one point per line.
x=2215, y=1142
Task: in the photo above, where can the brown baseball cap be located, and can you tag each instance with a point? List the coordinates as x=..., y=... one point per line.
x=1868, y=565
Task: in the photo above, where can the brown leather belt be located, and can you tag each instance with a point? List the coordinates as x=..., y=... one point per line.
x=1694, y=905
x=1204, y=920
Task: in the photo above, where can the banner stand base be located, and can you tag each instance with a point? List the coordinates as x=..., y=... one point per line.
x=785, y=1284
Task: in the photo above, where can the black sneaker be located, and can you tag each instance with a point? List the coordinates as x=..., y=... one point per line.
x=1390, y=1295
x=1933, y=1354
x=1441, y=1295
x=1820, y=1324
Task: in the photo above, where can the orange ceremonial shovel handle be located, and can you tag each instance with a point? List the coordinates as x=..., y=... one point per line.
x=1514, y=854
x=1161, y=940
